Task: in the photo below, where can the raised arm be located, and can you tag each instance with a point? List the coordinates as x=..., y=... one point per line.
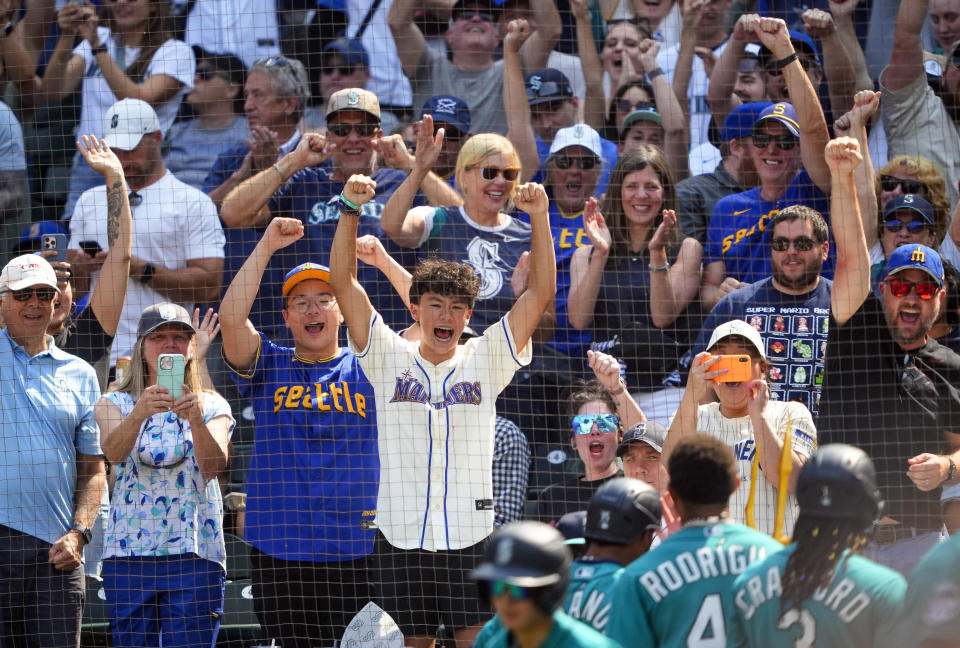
x=676, y=129
x=403, y=225
x=854, y=124
x=720, y=96
x=837, y=64
x=672, y=289
x=716, y=284
x=371, y=251
x=842, y=11
x=692, y=12
x=525, y=314
x=111, y=290
x=246, y=205
x=352, y=298
x=906, y=56
x=406, y=35
x=515, y=103
x=698, y=389
x=851, y=279
x=536, y=50
x=394, y=152
x=594, y=101
x=240, y=339
x=64, y=70
x=813, y=125
x=586, y=268
x=607, y=370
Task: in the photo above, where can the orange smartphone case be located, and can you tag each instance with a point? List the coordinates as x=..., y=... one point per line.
x=737, y=366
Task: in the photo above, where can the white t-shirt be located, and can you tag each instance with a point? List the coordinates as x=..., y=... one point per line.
x=387, y=80
x=738, y=434
x=174, y=58
x=174, y=224
x=435, y=426
x=245, y=28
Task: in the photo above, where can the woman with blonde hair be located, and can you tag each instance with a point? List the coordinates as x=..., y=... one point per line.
x=164, y=560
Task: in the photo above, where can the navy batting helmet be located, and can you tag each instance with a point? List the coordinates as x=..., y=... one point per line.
x=622, y=510
x=839, y=481
x=527, y=554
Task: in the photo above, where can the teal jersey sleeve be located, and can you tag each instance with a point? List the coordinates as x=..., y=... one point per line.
x=590, y=593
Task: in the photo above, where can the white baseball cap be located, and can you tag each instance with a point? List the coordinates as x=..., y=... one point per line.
x=25, y=271
x=741, y=328
x=577, y=135
x=127, y=121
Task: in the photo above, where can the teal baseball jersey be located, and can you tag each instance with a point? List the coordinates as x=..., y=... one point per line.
x=676, y=595
x=858, y=608
x=931, y=607
x=590, y=593
x=566, y=633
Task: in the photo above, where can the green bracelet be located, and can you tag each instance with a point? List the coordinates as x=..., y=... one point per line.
x=349, y=204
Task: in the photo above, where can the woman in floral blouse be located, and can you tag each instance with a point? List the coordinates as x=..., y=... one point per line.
x=164, y=557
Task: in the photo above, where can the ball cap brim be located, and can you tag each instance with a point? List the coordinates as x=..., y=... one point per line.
x=303, y=272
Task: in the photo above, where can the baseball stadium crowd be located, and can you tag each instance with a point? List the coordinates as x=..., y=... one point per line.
x=480, y=323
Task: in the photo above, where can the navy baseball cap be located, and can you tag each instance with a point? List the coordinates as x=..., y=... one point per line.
x=739, y=123
x=449, y=110
x=303, y=272
x=783, y=113
x=350, y=49
x=31, y=237
x=912, y=202
x=547, y=85
x=916, y=256
x=571, y=526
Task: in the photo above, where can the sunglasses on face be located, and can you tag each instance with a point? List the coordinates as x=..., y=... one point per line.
x=43, y=293
x=913, y=227
x=800, y=244
x=806, y=64
x=606, y=423
x=901, y=288
x=784, y=142
x=890, y=183
x=366, y=129
x=491, y=173
x=468, y=14
x=499, y=588
x=626, y=106
x=135, y=199
x=564, y=162
x=205, y=73
x=342, y=70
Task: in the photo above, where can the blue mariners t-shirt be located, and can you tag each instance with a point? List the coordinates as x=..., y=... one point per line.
x=312, y=481
x=737, y=231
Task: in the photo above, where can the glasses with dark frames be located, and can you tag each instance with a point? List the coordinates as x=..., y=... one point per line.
x=627, y=106
x=366, y=129
x=564, y=162
x=490, y=173
x=907, y=185
x=784, y=142
x=901, y=288
x=343, y=70
x=467, y=14
x=917, y=386
x=135, y=199
x=800, y=244
x=43, y=293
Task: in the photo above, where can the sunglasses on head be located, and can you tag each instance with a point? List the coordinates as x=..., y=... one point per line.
x=606, y=423
x=784, y=142
x=901, y=288
x=467, y=14
x=491, y=173
x=500, y=587
x=890, y=183
x=564, y=162
x=806, y=64
x=913, y=227
x=134, y=199
x=43, y=293
x=918, y=386
x=800, y=244
x=626, y=106
x=366, y=129
x=274, y=61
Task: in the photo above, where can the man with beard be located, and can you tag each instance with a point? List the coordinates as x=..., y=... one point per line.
x=790, y=309
x=917, y=120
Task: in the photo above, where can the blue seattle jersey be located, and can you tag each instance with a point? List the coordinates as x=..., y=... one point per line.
x=737, y=231
x=676, y=595
x=590, y=593
x=857, y=609
x=312, y=481
x=566, y=633
x=492, y=251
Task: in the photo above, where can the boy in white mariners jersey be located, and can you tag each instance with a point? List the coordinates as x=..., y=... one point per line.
x=436, y=403
x=745, y=418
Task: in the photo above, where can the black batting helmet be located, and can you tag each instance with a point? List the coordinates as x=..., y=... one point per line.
x=527, y=554
x=622, y=510
x=839, y=481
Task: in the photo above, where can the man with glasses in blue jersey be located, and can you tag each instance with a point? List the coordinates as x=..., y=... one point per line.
x=51, y=468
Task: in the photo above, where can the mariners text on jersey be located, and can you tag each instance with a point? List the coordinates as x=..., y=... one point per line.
x=411, y=390
x=691, y=566
x=843, y=597
x=321, y=397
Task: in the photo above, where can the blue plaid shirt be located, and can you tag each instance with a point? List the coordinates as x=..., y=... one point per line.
x=511, y=464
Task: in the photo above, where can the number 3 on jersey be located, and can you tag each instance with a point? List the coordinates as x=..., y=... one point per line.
x=807, y=623
x=708, y=630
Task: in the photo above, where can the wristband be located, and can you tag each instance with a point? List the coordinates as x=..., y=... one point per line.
x=148, y=271
x=99, y=49
x=664, y=268
x=276, y=168
x=349, y=204
x=653, y=74
x=346, y=207
x=784, y=62
x=952, y=471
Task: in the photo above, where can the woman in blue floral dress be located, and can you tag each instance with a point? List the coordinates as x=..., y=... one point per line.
x=164, y=556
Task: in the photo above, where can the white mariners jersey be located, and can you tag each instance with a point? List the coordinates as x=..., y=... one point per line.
x=435, y=435
x=738, y=434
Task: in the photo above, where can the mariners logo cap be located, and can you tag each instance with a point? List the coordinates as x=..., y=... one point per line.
x=650, y=432
x=127, y=121
x=25, y=271
x=547, y=85
x=916, y=256
x=448, y=111
x=153, y=317
x=783, y=113
x=741, y=328
x=913, y=202
x=303, y=272
x=353, y=99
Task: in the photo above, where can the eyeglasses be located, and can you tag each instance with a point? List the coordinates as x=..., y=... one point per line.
x=913, y=227
x=784, y=142
x=343, y=70
x=302, y=304
x=901, y=288
x=806, y=64
x=800, y=244
x=549, y=89
x=917, y=386
x=490, y=173
x=500, y=587
x=366, y=129
x=564, y=162
x=206, y=73
x=165, y=446
x=890, y=183
x=134, y=199
x=626, y=106
x=43, y=293
x=606, y=423
x=468, y=14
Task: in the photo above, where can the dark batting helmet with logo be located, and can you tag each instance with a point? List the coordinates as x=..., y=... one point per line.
x=622, y=510
x=527, y=554
x=839, y=481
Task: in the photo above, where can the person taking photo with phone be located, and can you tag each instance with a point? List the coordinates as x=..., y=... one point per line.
x=164, y=566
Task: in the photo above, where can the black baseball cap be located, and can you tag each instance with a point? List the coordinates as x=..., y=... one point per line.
x=153, y=317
